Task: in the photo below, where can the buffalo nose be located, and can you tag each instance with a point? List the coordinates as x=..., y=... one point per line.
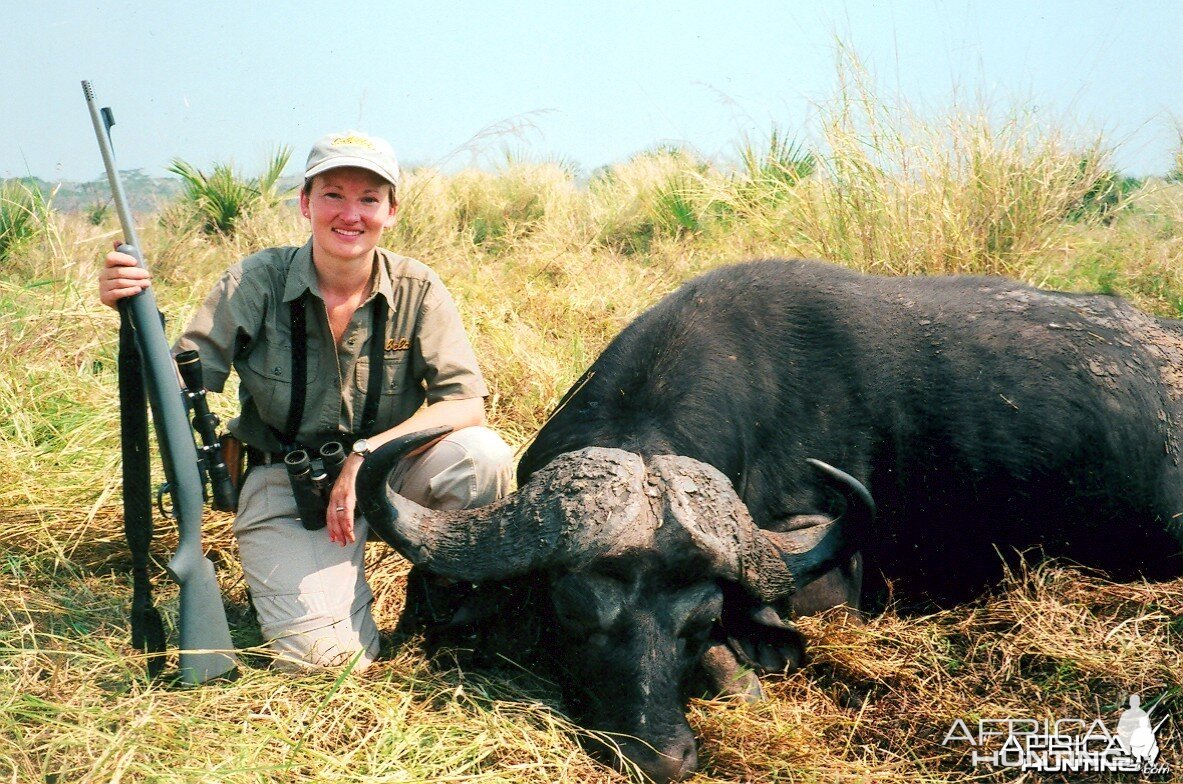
x=686, y=758
x=675, y=762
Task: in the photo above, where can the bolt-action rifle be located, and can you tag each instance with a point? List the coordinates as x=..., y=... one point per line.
x=206, y=647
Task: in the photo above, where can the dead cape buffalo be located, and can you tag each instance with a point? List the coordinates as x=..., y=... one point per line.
x=669, y=519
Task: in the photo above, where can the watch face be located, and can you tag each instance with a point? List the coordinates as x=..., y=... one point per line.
x=360, y=447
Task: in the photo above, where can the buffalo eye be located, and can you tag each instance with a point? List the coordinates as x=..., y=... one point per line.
x=586, y=606
x=699, y=608
x=698, y=631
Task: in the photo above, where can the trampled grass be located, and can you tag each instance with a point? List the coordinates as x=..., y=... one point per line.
x=547, y=267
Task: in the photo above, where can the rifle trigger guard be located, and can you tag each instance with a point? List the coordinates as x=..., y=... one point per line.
x=160, y=491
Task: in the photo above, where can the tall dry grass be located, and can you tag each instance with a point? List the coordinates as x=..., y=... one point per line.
x=547, y=267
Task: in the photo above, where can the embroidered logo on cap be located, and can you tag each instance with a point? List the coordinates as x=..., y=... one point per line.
x=357, y=141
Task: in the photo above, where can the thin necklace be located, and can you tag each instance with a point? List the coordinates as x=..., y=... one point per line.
x=371, y=284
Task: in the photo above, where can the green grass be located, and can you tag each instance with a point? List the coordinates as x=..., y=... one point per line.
x=218, y=201
x=24, y=217
x=96, y=213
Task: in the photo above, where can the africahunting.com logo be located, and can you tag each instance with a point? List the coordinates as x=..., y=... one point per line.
x=1066, y=745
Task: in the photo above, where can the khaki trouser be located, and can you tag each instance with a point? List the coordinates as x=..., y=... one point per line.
x=311, y=594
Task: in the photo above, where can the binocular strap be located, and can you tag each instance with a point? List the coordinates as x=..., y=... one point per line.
x=377, y=353
x=299, y=332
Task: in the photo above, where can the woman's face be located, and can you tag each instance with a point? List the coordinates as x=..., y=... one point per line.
x=348, y=209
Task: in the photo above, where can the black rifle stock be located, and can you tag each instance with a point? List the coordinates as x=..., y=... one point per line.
x=206, y=647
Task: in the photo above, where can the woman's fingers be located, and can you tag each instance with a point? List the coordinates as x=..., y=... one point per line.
x=339, y=516
x=342, y=502
x=120, y=277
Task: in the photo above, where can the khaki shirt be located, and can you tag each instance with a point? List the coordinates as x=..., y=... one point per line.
x=245, y=323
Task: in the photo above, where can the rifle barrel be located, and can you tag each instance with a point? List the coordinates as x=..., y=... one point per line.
x=102, y=132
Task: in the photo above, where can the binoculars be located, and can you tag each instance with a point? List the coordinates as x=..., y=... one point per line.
x=312, y=479
x=209, y=454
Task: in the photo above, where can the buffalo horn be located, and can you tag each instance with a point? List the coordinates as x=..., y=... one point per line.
x=767, y=563
x=581, y=503
x=842, y=538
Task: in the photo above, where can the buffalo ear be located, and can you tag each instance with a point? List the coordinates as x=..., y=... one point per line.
x=723, y=675
x=758, y=636
x=432, y=602
x=480, y=624
x=811, y=552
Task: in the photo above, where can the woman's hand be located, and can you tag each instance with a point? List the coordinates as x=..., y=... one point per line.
x=343, y=502
x=120, y=277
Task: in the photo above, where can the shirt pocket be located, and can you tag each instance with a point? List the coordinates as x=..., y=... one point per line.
x=266, y=376
x=401, y=396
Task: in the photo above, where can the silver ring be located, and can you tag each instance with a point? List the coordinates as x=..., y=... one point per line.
x=340, y=509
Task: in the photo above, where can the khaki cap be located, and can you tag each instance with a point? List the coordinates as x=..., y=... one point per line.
x=353, y=148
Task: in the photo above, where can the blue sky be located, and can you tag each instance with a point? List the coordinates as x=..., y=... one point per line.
x=592, y=82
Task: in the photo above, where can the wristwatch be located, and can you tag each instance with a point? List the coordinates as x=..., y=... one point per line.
x=361, y=448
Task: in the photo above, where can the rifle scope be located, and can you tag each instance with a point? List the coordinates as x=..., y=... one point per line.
x=205, y=422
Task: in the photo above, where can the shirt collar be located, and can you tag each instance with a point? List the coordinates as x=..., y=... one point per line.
x=302, y=276
x=384, y=285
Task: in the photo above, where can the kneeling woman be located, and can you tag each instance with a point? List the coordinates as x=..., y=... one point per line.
x=338, y=340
